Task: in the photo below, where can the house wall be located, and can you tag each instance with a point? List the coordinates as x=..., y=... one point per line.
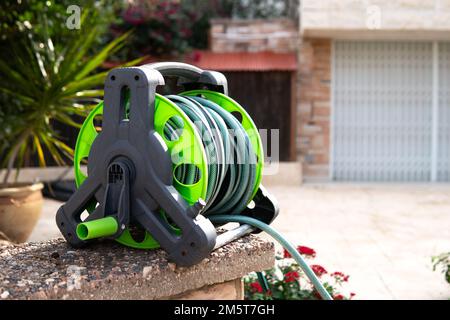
x=313, y=113
x=366, y=16
x=327, y=20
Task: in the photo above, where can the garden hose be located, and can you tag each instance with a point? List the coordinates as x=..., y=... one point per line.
x=220, y=219
x=263, y=281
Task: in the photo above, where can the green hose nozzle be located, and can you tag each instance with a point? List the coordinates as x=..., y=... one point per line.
x=103, y=227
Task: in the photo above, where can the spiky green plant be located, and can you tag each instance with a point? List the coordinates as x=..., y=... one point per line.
x=46, y=81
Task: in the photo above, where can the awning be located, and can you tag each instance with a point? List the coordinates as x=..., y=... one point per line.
x=243, y=61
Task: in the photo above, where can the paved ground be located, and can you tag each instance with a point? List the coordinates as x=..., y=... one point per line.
x=382, y=235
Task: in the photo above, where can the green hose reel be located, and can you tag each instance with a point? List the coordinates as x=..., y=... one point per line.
x=159, y=166
x=188, y=144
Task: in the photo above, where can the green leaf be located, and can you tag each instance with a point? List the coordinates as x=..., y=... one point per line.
x=97, y=60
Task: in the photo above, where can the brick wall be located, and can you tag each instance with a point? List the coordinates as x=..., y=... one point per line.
x=275, y=35
x=313, y=137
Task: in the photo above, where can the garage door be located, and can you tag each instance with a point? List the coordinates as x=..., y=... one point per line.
x=385, y=111
x=444, y=113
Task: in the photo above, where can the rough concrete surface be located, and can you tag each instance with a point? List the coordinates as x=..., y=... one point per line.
x=53, y=270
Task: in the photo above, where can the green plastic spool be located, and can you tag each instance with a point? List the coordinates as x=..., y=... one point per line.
x=187, y=148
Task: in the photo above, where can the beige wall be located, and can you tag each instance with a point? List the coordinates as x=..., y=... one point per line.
x=376, y=18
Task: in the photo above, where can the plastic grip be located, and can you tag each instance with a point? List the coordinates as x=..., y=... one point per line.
x=103, y=227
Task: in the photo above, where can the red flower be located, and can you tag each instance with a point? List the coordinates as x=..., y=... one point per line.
x=338, y=297
x=340, y=276
x=286, y=254
x=318, y=270
x=317, y=295
x=269, y=293
x=352, y=294
x=256, y=287
x=291, y=276
x=306, y=251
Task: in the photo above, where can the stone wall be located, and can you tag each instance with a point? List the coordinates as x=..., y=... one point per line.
x=276, y=35
x=314, y=108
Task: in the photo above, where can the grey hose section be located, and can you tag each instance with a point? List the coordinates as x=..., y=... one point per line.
x=220, y=219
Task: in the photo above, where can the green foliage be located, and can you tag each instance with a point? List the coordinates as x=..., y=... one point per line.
x=262, y=9
x=49, y=74
x=162, y=28
x=286, y=281
x=31, y=11
x=442, y=262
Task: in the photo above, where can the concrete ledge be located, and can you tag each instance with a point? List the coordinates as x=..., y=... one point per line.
x=53, y=270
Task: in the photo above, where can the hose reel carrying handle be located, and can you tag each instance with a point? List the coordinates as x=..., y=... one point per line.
x=191, y=76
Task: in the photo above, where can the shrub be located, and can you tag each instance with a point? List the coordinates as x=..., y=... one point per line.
x=162, y=28
x=442, y=262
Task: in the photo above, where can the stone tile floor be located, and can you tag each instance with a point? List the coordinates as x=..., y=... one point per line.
x=382, y=235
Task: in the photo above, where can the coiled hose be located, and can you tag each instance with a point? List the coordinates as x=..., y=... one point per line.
x=230, y=156
x=231, y=166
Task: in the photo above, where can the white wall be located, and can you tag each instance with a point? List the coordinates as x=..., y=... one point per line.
x=376, y=18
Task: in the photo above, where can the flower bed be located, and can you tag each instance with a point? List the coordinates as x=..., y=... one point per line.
x=286, y=281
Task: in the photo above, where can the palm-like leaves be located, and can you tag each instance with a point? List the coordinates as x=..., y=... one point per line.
x=42, y=82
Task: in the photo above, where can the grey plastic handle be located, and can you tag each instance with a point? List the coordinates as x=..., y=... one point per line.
x=177, y=69
x=190, y=73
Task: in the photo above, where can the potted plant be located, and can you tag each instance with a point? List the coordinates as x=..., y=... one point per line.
x=49, y=75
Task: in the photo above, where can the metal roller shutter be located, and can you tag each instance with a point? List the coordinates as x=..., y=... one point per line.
x=444, y=113
x=383, y=111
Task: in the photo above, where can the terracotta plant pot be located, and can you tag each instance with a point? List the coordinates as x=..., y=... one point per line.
x=20, y=209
